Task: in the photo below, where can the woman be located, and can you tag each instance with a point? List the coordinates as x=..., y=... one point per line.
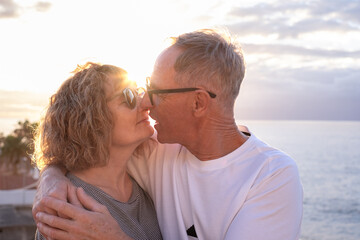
x=92, y=126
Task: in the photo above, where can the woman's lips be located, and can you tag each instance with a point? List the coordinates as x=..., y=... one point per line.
x=144, y=120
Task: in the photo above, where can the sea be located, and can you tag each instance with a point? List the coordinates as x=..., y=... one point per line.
x=328, y=157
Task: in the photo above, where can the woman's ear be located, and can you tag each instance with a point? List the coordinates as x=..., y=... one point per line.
x=201, y=103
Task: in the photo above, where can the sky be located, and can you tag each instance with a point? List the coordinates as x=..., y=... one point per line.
x=302, y=57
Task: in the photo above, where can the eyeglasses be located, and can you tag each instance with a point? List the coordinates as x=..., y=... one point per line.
x=130, y=96
x=151, y=91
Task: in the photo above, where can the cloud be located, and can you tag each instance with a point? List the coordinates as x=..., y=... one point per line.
x=10, y=9
x=22, y=105
x=289, y=30
x=42, y=6
x=281, y=49
x=300, y=93
x=345, y=10
x=292, y=18
x=289, y=78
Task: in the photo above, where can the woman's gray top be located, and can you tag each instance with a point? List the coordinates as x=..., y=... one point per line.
x=137, y=217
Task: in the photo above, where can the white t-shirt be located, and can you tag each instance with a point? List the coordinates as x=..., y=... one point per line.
x=253, y=192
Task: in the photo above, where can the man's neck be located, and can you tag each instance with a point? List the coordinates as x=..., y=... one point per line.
x=215, y=139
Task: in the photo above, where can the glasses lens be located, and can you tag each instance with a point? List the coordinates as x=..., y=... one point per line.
x=130, y=98
x=140, y=92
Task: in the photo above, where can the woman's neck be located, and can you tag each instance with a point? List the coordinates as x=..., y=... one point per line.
x=112, y=178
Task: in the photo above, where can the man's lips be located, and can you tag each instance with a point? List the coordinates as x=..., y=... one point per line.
x=152, y=117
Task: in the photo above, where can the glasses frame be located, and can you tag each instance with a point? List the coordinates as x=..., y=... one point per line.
x=130, y=96
x=172, y=90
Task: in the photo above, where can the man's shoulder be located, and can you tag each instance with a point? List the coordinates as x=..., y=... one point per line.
x=154, y=152
x=273, y=157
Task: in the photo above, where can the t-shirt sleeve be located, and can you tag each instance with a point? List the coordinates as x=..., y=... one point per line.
x=273, y=208
x=141, y=162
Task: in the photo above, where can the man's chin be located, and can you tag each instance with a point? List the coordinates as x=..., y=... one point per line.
x=156, y=126
x=159, y=134
x=159, y=140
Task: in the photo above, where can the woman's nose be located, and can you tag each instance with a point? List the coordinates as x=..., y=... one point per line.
x=145, y=101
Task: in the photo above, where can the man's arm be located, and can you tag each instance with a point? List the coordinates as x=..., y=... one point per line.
x=273, y=210
x=92, y=224
x=53, y=183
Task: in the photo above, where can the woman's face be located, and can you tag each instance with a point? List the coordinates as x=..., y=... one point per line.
x=130, y=126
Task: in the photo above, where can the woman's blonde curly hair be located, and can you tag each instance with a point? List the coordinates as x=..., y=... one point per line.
x=76, y=129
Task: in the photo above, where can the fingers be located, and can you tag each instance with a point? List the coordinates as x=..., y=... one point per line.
x=90, y=203
x=72, y=196
x=35, y=209
x=53, y=233
x=40, y=207
x=55, y=222
x=80, y=227
x=61, y=207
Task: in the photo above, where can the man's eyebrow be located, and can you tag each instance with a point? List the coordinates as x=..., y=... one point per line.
x=153, y=85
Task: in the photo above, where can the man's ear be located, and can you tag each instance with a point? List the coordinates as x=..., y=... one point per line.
x=201, y=103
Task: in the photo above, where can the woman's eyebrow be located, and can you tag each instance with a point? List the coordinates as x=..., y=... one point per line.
x=118, y=93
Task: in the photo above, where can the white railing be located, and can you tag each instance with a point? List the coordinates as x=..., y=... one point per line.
x=22, y=196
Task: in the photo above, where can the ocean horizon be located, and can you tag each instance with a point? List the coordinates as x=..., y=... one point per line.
x=7, y=125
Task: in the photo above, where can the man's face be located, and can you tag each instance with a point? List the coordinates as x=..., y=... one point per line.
x=169, y=110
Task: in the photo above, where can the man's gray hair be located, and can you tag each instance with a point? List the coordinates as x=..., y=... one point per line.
x=211, y=60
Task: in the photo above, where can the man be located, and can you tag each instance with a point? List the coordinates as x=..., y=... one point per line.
x=215, y=182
